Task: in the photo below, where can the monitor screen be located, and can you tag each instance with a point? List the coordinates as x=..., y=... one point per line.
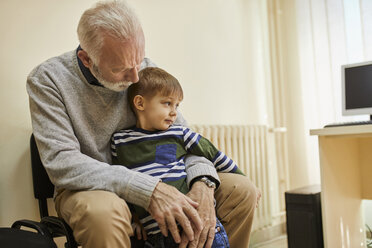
x=357, y=89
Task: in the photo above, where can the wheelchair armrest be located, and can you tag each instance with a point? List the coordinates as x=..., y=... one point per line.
x=58, y=227
x=39, y=227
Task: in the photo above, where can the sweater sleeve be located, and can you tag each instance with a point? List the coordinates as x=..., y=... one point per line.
x=67, y=166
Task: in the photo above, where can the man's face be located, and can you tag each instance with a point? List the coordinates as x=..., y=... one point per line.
x=119, y=63
x=160, y=112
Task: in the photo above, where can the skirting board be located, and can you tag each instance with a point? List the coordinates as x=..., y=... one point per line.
x=267, y=234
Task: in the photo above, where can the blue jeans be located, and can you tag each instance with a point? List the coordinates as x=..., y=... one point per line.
x=159, y=241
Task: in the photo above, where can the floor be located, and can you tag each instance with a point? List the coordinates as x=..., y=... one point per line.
x=280, y=242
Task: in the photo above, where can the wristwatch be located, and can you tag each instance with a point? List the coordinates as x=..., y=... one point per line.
x=208, y=182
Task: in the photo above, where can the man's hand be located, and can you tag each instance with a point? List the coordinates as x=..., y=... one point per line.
x=204, y=195
x=169, y=206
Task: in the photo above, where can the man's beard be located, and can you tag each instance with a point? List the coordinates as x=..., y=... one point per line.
x=115, y=86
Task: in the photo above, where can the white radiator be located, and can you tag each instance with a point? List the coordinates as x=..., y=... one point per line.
x=248, y=146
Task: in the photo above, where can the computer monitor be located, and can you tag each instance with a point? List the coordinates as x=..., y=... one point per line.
x=357, y=89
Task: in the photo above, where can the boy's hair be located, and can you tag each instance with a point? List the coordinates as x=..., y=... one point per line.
x=153, y=81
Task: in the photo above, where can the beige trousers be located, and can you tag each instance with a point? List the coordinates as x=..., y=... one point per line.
x=101, y=219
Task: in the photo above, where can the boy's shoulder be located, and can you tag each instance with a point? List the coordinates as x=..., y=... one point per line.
x=176, y=126
x=119, y=136
x=124, y=131
x=137, y=131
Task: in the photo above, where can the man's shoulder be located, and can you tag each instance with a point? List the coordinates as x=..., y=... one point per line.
x=55, y=65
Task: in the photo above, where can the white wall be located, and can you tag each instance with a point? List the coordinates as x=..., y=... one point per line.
x=212, y=46
x=207, y=45
x=31, y=32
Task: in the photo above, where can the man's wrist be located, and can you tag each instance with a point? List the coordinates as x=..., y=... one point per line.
x=210, y=182
x=199, y=166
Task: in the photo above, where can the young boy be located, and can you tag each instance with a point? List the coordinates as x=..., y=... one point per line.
x=156, y=146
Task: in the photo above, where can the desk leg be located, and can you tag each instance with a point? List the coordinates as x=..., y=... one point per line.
x=341, y=196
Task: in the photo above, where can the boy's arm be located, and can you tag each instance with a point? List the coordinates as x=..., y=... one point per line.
x=198, y=145
x=114, y=154
x=197, y=166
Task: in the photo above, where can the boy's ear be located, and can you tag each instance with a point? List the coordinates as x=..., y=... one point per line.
x=139, y=102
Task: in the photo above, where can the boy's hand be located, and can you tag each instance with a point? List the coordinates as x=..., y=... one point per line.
x=138, y=229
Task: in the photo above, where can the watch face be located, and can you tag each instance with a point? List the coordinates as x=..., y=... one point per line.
x=208, y=182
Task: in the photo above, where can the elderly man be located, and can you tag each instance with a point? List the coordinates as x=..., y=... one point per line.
x=77, y=101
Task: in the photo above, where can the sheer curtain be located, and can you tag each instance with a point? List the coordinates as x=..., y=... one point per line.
x=336, y=32
x=330, y=33
x=314, y=38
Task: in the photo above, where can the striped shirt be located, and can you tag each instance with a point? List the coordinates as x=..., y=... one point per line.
x=161, y=154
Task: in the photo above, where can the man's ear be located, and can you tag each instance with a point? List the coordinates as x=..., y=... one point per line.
x=139, y=102
x=83, y=56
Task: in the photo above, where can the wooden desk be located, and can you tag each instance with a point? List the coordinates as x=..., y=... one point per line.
x=346, y=178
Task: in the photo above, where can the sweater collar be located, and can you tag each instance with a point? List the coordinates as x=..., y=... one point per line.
x=86, y=72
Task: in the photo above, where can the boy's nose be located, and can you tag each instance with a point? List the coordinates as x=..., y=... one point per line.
x=173, y=112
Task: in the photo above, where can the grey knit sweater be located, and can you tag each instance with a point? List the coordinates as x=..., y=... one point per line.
x=73, y=122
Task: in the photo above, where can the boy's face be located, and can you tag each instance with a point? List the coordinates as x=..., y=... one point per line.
x=160, y=112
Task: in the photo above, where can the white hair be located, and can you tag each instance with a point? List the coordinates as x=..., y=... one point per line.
x=113, y=18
